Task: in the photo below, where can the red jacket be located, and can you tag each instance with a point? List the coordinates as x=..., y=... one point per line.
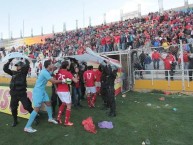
x=167, y=64
x=103, y=41
x=155, y=55
x=117, y=39
x=172, y=58
x=185, y=57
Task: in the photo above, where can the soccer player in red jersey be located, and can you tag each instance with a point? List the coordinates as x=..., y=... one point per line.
x=64, y=93
x=89, y=79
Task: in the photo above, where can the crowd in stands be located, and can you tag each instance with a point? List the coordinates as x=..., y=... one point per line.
x=160, y=32
x=153, y=30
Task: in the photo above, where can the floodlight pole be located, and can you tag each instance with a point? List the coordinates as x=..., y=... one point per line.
x=121, y=15
x=64, y=27
x=83, y=16
x=186, y=3
x=53, y=29
x=31, y=32
x=76, y=24
x=9, y=27
x=182, y=65
x=104, y=18
x=90, y=21
x=42, y=31
x=129, y=69
x=23, y=29
x=160, y=3
x=139, y=10
x=1, y=36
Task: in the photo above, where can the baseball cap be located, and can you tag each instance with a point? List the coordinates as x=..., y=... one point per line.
x=19, y=63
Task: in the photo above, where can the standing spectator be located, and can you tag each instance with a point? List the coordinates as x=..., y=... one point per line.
x=76, y=88
x=156, y=59
x=186, y=60
x=142, y=57
x=29, y=72
x=147, y=61
x=40, y=65
x=186, y=47
x=165, y=44
x=82, y=69
x=103, y=44
x=174, y=49
x=123, y=41
x=108, y=42
x=157, y=44
x=167, y=64
x=190, y=66
x=130, y=40
x=33, y=59
x=173, y=62
x=190, y=42
x=137, y=66
x=37, y=71
x=117, y=42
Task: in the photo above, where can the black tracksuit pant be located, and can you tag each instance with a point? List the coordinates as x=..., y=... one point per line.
x=21, y=96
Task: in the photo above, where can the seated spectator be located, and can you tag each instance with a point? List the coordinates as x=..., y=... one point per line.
x=186, y=47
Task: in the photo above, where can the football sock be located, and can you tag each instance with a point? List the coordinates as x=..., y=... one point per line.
x=31, y=119
x=49, y=110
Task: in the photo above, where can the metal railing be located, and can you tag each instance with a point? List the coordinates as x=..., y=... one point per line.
x=160, y=74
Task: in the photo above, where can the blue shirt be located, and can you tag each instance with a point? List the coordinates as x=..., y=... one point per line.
x=42, y=80
x=156, y=44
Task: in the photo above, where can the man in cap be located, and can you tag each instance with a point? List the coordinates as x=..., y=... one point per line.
x=18, y=87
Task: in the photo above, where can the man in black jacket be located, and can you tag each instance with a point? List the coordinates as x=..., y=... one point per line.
x=190, y=67
x=109, y=79
x=18, y=88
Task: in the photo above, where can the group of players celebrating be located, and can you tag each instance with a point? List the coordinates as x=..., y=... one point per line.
x=63, y=77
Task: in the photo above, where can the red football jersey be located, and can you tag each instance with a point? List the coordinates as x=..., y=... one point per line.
x=98, y=75
x=63, y=74
x=89, y=77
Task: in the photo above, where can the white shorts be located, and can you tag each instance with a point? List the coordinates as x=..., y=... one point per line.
x=98, y=84
x=65, y=97
x=91, y=90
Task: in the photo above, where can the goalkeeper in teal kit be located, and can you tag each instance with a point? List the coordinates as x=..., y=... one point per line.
x=40, y=96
